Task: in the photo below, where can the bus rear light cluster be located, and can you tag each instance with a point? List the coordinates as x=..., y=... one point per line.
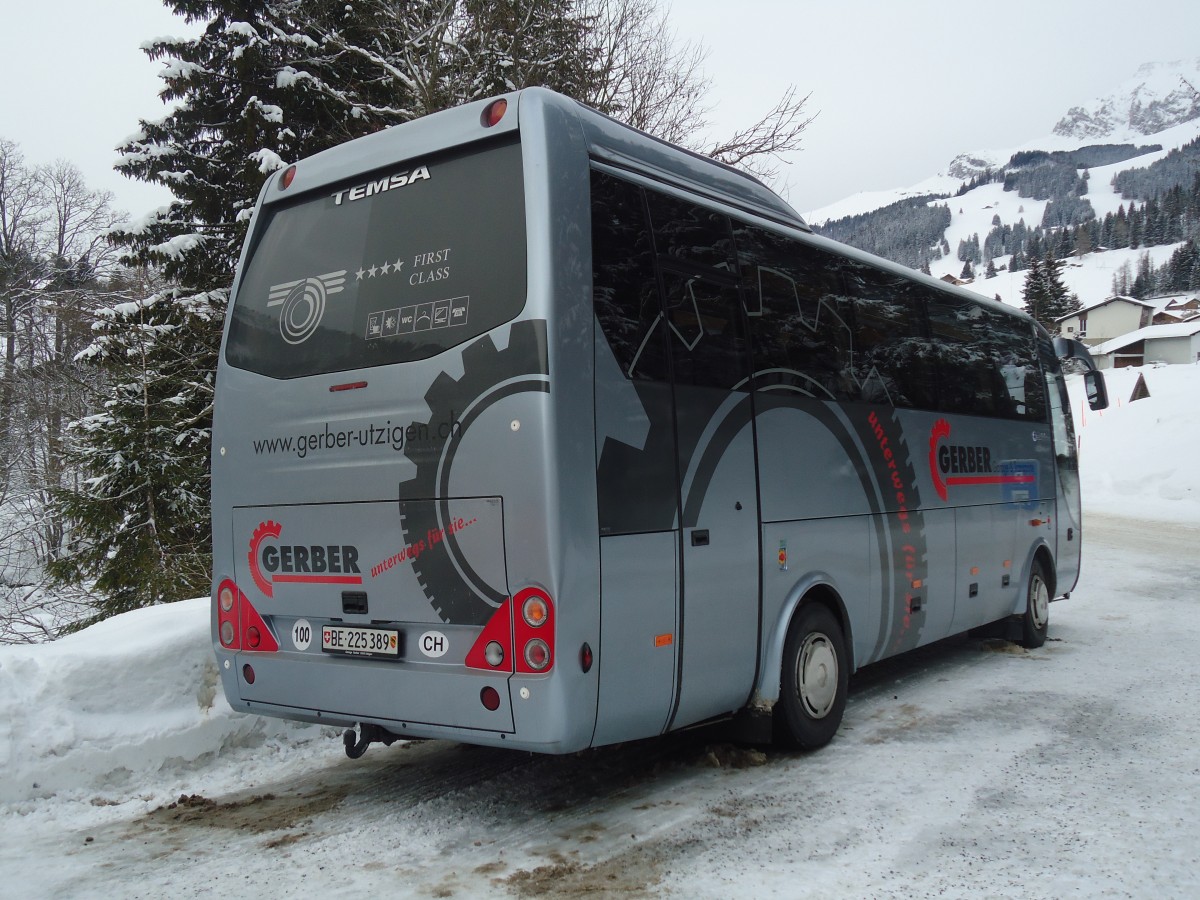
x=534, y=630
x=519, y=637
x=239, y=626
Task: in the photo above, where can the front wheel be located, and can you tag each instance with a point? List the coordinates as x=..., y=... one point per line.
x=1036, y=621
x=814, y=680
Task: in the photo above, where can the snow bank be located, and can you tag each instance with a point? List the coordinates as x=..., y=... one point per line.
x=1138, y=459
x=104, y=709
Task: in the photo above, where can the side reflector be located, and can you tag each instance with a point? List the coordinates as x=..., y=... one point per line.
x=248, y=673
x=585, y=658
x=490, y=698
x=664, y=640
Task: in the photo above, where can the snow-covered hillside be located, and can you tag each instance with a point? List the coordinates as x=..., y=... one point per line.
x=1155, y=98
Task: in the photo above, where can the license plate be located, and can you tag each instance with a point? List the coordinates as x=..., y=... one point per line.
x=360, y=641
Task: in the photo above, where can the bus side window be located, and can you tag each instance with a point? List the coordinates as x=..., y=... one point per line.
x=802, y=342
x=625, y=292
x=988, y=360
x=706, y=327
x=893, y=359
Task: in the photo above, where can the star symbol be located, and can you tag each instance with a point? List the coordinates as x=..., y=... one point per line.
x=397, y=264
x=387, y=267
x=371, y=271
x=359, y=273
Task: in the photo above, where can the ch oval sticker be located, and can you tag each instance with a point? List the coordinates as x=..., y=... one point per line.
x=433, y=644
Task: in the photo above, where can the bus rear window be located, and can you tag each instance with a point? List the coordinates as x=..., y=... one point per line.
x=387, y=267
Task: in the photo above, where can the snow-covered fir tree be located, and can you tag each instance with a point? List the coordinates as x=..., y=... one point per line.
x=1046, y=297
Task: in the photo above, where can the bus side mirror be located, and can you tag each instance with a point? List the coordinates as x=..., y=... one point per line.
x=1097, y=392
x=1093, y=379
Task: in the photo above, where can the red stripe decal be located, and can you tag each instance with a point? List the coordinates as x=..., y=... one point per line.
x=317, y=579
x=980, y=479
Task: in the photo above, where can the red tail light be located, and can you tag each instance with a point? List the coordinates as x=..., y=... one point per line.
x=519, y=637
x=534, y=631
x=239, y=625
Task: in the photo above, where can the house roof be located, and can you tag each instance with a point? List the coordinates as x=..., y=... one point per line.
x=1149, y=333
x=1090, y=306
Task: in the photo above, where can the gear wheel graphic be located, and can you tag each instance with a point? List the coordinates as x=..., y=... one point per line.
x=455, y=590
x=261, y=533
x=909, y=564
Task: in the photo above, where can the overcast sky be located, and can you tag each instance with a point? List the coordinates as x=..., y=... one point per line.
x=901, y=86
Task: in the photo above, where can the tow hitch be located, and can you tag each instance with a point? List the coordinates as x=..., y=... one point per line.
x=356, y=746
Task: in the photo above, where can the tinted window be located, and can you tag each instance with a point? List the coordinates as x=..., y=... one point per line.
x=386, y=267
x=893, y=358
x=624, y=288
x=987, y=360
x=799, y=316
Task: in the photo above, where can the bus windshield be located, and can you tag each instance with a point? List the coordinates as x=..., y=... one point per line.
x=392, y=266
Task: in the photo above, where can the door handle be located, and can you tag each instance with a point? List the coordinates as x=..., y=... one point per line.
x=700, y=537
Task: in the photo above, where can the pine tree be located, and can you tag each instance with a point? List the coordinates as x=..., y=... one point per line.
x=990, y=272
x=250, y=92
x=1046, y=297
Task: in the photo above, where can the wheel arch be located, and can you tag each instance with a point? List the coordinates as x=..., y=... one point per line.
x=1039, y=552
x=816, y=587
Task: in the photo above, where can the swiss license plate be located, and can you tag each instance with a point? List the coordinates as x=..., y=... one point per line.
x=360, y=641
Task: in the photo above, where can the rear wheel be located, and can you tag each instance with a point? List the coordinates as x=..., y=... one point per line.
x=1036, y=621
x=813, y=681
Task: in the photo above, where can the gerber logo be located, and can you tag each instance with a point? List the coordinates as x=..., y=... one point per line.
x=273, y=563
x=303, y=304
x=957, y=465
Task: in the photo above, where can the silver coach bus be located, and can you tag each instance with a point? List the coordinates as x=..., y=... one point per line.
x=534, y=431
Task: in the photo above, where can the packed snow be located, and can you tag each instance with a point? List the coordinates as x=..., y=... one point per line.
x=969, y=768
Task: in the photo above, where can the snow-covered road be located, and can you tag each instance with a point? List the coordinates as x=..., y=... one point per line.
x=969, y=768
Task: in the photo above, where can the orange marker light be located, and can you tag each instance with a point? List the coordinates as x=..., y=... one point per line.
x=664, y=640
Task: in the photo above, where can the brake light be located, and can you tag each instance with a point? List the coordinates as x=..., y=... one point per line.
x=493, y=113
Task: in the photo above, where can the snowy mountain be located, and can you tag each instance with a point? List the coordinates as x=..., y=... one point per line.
x=1132, y=127
x=1155, y=99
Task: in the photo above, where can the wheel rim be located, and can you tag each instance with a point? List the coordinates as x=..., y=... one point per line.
x=1039, y=602
x=817, y=675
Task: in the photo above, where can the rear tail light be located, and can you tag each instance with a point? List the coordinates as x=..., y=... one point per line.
x=492, y=649
x=515, y=641
x=286, y=180
x=534, y=631
x=239, y=626
x=537, y=654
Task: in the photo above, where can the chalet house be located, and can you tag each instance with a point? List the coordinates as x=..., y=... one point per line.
x=1177, y=343
x=1175, y=309
x=1105, y=320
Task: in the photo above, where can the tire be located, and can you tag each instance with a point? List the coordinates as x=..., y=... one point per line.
x=1035, y=623
x=813, y=681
